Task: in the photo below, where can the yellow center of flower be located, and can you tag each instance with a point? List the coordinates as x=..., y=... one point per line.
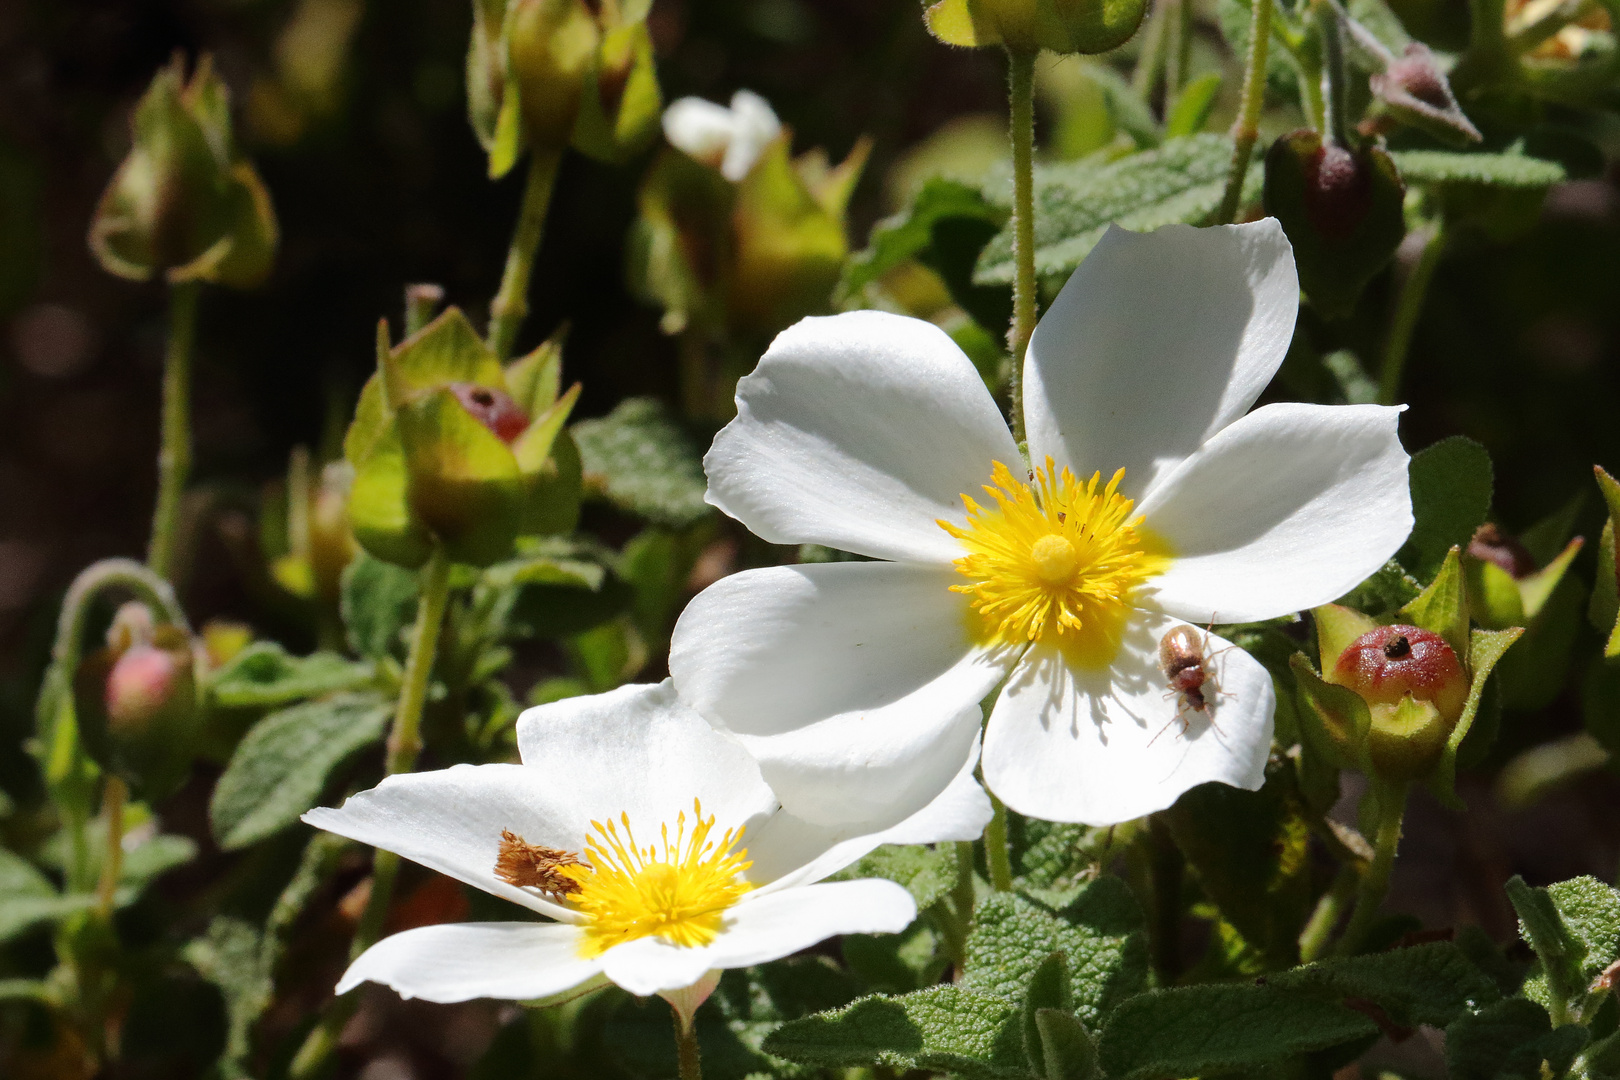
x=1057, y=561
x=678, y=890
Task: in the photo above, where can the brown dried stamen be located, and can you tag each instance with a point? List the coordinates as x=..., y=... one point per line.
x=535, y=866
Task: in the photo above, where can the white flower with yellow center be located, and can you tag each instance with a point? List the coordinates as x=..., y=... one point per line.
x=730, y=140
x=1153, y=499
x=648, y=836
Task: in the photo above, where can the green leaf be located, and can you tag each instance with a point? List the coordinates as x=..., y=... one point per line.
x=1192, y=108
x=378, y=602
x=230, y=956
x=928, y=873
x=945, y=1028
x=896, y=963
x=1485, y=649
x=910, y=233
x=1067, y=1052
x=263, y=675
x=1099, y=934
x=640, y=460
x=1198, y=1029
x=1049, y=991
x=1492, y=170
x=1509, y=1041
x=1442, y=608
x=1388, y=588
x=1451, y=494
x=282, y=765
x=1180, y=181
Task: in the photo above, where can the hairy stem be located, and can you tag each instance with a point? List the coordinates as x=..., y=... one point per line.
x=686, y=1046
x=511, y=304
x=1246, y=128
x=997, y=855
x=174, y=458
x=1021, y=97
x=1409, y=305
x=1390, y=808
x=114, y=795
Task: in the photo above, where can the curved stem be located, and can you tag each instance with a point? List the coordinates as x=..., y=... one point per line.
x=1414, y=290
x=1390, y=806
x=997, y=857
x=174, y=459
x=686, y=1047
x=113, y=798
x=511, y=304
x=1021, y=98
x=1318, y=932
x=1246, y=128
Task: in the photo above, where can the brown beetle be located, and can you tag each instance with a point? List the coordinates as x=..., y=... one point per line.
x=1184, y=659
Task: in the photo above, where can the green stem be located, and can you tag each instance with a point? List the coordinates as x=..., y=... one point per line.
x=113, y=798
x=1414, y=290
x=1152, y=54
x=174, y=459
x=511, y=304
x=957, y=910
x=1178, y=39
x=404, y=744
x=1246, y=128
x=1021, y=98
x=1335, y=73
x=421, y=304
x=1318, y=932
x=686, y=1046
x=1168, y=871
x=997, y=855
x=1390, y=807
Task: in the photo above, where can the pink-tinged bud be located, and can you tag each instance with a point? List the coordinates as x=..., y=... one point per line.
x=1385, y=665
x=493, y=408
x=1338, y=191
x=1492, y=545
x=141, y=683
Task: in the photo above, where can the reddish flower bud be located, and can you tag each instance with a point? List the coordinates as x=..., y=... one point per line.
x=1385, y=665
x=493, y=408
x=141, y=684
x=1492, y=545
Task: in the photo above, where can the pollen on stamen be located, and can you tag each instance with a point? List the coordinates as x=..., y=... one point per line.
x=1054, y=559
x=535, y=866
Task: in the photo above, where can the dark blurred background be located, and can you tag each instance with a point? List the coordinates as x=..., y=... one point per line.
x=355, y=115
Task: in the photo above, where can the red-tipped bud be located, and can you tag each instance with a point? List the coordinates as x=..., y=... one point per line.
x=1492, y=545
x=142, y=683
x=493, y=408
x=1385, y=665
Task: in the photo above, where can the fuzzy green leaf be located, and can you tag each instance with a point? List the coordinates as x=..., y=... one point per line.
x=640, y=460
x=1485, y=649
x=1179, y=182
x=911, y=233
x=1442, y=608
x=1493, y=170
x=944, y=1028
x=1451, y=494
x=1193, y=106
x=927, y=873
x=378, y=601
x=1099, y=934
x=264, y=675
x=1509, y=1041
x=281, y=767
x=1067, y=1051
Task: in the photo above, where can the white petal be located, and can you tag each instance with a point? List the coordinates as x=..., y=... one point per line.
x=1106, y=745
x=763, y=928
x=451, y=821
x=1289, y=507
x=859, y=431
x=753, y=126
x=700, y=128
x=462, y=961
x=788, y=851
x=1158, y=341
x=854, y=684
x=638, y=750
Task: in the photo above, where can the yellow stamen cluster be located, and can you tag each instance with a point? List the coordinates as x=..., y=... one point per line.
x=1056, y=561
x=679, y=892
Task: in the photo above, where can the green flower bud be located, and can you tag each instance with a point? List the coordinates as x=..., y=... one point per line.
x=1063, y=26
x=549, y=73
x=448, y=446
x=137, y=703
x=1342, y=211
x=183, y=203
x=320, y=543
x=1415, y=689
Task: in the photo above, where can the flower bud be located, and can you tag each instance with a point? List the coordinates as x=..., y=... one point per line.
x=1413, y=90
x=137, y=706
x=1063, y=26
x=183, y=202
x=448, y=446
x=620, y=103
x=1415, y=689
x=1341, y=210
x=1490, y=544
x=551, y=45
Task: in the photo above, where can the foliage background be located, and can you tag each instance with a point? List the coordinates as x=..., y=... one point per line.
x=378, y=180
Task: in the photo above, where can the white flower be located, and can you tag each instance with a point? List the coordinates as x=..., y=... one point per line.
x=651, y=840
x=730, y=140
x=1157, y=500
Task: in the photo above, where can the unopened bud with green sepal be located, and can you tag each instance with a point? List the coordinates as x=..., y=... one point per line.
x=448, y=447
x=184, y=203
x=1062, y=26
x=1397, y=700
x=137, y=703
